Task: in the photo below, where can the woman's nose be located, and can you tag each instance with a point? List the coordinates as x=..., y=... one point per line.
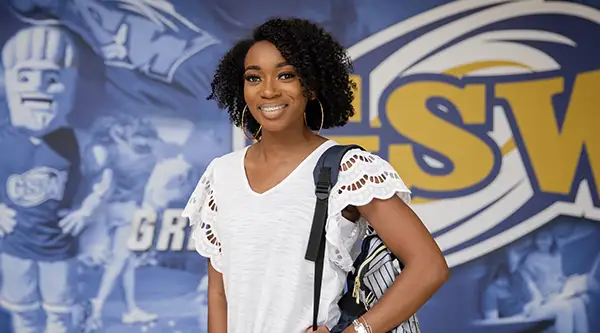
x=269, y=89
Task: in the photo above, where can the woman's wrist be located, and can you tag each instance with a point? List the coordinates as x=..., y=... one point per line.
x=359, y=325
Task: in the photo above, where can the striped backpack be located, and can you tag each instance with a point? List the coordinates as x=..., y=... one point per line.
x=375, y=268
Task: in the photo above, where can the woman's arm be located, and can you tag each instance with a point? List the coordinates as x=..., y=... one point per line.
x=536, y=295
x=425, y=267
x=217, y=302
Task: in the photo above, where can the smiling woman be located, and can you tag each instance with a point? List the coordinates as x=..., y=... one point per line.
x=272, y=89
x=252, y=210
x=287, y=60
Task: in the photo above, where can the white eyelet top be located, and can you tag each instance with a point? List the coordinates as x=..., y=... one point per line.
x=258, y=241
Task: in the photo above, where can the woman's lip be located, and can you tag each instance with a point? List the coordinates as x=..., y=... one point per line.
x=274, y=113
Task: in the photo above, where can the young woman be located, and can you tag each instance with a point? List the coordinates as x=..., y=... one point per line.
x=252, y=209
x=544, y=266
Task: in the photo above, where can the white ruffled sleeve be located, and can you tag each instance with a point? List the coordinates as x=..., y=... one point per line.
x=201, y=210
x=362, y=177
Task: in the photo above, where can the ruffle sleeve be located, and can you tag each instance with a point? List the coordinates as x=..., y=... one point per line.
x=201, y=210
x=362, y=177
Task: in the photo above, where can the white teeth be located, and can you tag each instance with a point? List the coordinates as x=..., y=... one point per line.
x=272, y=108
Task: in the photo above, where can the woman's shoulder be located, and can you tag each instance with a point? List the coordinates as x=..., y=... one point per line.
x=369, y=166
x=355, y=153
x=364, y=176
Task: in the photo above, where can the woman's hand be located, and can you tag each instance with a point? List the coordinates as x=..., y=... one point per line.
x=531, y=307
x=321, y=329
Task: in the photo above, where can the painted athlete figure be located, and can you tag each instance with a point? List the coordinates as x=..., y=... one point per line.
x=125, y=147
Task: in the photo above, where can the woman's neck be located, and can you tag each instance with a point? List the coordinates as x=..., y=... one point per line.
x=280, y=144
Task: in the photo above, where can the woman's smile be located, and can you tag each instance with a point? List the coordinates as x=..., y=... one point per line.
x=272, y=111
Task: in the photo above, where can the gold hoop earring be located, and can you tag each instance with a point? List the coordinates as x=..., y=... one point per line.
x=322, y=116
x=244, y=127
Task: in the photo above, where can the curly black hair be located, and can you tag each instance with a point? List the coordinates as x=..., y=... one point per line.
x=322, y=64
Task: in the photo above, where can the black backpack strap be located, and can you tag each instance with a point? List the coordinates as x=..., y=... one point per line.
x=325, y=177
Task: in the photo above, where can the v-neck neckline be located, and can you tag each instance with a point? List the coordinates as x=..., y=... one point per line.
x=284, y=180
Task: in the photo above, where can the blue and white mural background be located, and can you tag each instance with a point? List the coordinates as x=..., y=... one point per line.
x=488, y=110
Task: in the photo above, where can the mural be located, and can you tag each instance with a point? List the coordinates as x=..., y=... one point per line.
x=486, y=109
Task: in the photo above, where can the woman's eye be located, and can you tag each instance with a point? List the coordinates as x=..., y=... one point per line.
x=286, y=76
x=252, y=78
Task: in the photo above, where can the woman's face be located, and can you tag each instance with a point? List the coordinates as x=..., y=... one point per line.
x=543, y=241
x=272, y=89
x=502, y=281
